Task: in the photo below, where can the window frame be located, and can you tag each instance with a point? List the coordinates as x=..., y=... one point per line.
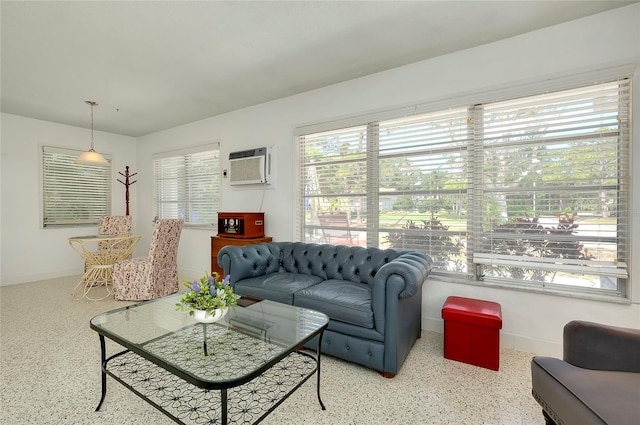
x=474, y=273
x=63, y=159
x=186, y=207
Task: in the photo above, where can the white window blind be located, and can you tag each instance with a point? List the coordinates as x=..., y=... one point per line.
x=531, y=191
x=187, y=186
x=424, y=184
x=555, y=187
x=73, y=193
x=333, y=179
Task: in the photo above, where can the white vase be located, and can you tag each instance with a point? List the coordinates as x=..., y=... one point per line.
x=201, y=315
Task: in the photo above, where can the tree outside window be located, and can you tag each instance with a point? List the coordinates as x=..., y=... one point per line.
x=531, y=190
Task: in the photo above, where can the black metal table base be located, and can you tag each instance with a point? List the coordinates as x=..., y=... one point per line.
x=186, y=403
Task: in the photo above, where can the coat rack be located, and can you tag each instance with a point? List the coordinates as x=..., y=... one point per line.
x=126, y=183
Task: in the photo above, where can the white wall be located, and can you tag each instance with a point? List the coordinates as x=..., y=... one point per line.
x=29, y=251
x=532, y=322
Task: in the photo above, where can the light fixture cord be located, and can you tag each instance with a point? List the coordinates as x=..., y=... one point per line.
x=92, y=126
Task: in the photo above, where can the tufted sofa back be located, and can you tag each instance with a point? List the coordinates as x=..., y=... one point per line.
x=354, y=263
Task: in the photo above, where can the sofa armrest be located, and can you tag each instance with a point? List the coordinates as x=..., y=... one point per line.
x=413, y=269
x=399, y=278
x=246, y=261
x=600, y=347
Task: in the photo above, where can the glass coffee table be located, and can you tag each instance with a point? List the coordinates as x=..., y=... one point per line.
x=237, y=370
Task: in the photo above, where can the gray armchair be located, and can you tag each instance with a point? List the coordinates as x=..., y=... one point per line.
x=598, y=380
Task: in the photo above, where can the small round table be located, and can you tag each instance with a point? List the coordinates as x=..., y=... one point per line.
x=101, y=252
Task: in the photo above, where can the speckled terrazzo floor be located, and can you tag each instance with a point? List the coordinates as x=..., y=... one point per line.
x=49, y=374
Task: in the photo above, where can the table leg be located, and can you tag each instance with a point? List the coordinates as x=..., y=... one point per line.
x=204, y=343
x=103, y=358
x=318, y=371
x=96, y=275
x=223, y=402
x=82, y=281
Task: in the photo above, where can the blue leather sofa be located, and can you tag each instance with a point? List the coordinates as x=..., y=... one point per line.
x=372, y=296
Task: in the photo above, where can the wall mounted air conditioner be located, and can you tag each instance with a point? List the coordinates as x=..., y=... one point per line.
x=252, y=166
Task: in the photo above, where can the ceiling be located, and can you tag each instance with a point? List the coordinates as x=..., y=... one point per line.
x=153, y=65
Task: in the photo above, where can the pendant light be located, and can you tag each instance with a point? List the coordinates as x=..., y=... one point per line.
x=91, y=157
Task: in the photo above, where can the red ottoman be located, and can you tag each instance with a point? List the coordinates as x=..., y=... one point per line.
x=472, y=331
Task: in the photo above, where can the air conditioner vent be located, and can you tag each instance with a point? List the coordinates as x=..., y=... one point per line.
x=250, y=167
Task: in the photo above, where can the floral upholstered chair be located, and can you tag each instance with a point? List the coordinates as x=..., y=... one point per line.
x=154, y=276
x=112, y=225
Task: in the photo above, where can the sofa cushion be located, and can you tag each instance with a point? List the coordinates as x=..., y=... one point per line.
x=585, y=396
x=278, y=287
x=354, y=330
x=341, y=300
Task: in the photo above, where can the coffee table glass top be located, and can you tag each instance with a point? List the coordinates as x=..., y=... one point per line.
x=226, y=353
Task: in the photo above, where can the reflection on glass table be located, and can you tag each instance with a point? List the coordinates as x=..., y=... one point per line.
x=101, y=252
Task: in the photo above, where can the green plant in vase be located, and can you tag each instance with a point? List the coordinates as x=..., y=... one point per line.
x=209, y=297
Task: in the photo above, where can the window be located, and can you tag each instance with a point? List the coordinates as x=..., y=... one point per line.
x=187, y=185
x=73, y=193
x=529, y=192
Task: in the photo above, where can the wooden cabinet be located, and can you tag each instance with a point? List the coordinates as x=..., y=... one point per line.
x=217, y=242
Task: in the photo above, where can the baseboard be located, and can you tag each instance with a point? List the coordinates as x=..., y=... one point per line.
x=15, y=280
x=508, y=340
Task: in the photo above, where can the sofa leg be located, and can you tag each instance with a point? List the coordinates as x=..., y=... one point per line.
x=387, y=375
x=547, y=418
